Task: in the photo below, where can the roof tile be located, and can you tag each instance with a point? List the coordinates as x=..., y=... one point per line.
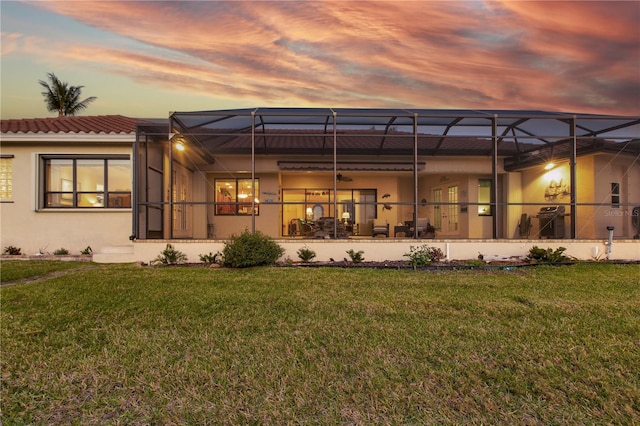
x=97, y=124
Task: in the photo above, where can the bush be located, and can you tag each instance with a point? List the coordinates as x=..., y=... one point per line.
x=250, y=249
x=547, y=256
x=13, y=251
x=87, y=250
x=61, y=252
x=211, y=258
x=169, y=256
x=356, y=256
x=306, y=254
x=423, y=255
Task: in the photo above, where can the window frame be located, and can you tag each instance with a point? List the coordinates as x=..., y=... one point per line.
x=105, y=199
x=485, y=206
x=615, y=195
x=234, y=207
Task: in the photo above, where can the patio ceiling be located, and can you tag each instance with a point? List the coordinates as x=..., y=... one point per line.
x=523, y=137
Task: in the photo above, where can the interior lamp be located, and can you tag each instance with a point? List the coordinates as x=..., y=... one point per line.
x=346, y=216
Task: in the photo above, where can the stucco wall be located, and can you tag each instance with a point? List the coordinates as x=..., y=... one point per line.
x=23, y=225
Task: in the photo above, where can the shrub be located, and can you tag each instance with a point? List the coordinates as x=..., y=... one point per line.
x=356, y=256
x=170, y=256
x=547, y=256
x=13, y=251
x=250, y=249
x=306, y=254
x=211, y=258
x=423, y=255
x=87, y=250
x=61, y=251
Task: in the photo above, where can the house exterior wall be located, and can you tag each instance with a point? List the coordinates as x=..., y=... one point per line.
x=609, y=169
x=594, y=175
x=32, y=229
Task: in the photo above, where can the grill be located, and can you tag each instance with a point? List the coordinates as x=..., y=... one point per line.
x=551, y=222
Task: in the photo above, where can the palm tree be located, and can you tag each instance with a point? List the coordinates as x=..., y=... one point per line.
x=61, y=97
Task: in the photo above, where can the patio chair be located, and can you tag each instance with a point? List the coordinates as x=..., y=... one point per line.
x=380, y=229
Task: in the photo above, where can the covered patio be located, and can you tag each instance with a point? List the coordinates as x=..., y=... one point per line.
x=357, y=174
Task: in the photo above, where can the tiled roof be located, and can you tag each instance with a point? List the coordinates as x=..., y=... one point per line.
x=97, y=124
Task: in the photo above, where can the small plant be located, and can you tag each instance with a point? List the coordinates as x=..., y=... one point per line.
x=474, y=262
x=13, y=251
x=250, y=249
x=306, y=254
x=87, y=250
x=356, y=256
x=61, y=251
x=423, y=255
x=211, y=258
x=547, y=256
x=170, y=256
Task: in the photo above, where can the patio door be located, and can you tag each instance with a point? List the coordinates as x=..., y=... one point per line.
x=182, y=213
x=445, y=210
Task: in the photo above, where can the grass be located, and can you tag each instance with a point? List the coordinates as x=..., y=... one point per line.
x=11, y=270
x=120, y=344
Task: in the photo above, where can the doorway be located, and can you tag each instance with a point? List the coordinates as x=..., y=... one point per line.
x=446, y=210
x=182, y=212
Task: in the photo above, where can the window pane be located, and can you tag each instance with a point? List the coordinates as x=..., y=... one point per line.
x=119, y=175
x=90, y=175
x=59, y=175
x=92, y=199
x=119, y=200
x=225, y=196
x=245, y=195
x=484, y=197
x=615, y=194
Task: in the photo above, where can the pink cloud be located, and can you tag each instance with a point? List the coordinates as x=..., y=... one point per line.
x=503, y=54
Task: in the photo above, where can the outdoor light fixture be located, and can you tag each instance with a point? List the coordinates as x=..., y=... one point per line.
x=179, y=146
x=549, y=166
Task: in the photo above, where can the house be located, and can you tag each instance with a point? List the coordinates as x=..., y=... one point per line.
x=66, y=183
x=380, y=179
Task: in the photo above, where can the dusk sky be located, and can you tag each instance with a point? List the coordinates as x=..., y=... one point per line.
x=147, y=59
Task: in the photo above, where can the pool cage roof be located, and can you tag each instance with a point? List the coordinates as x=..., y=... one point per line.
x=523, y=138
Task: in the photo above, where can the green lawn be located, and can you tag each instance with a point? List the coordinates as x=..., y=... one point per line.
x=119, y=344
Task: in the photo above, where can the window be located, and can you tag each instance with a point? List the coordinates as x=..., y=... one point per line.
x=6, y=178
x=233, y=197
x=86, y=182
x=615, y=195
x=484, y=197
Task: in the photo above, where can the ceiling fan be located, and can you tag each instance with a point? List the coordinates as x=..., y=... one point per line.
x=342, y=178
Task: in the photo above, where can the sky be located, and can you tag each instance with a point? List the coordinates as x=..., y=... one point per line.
x=147, y=59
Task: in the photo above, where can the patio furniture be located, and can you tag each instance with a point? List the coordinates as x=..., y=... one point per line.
x=380, y=229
